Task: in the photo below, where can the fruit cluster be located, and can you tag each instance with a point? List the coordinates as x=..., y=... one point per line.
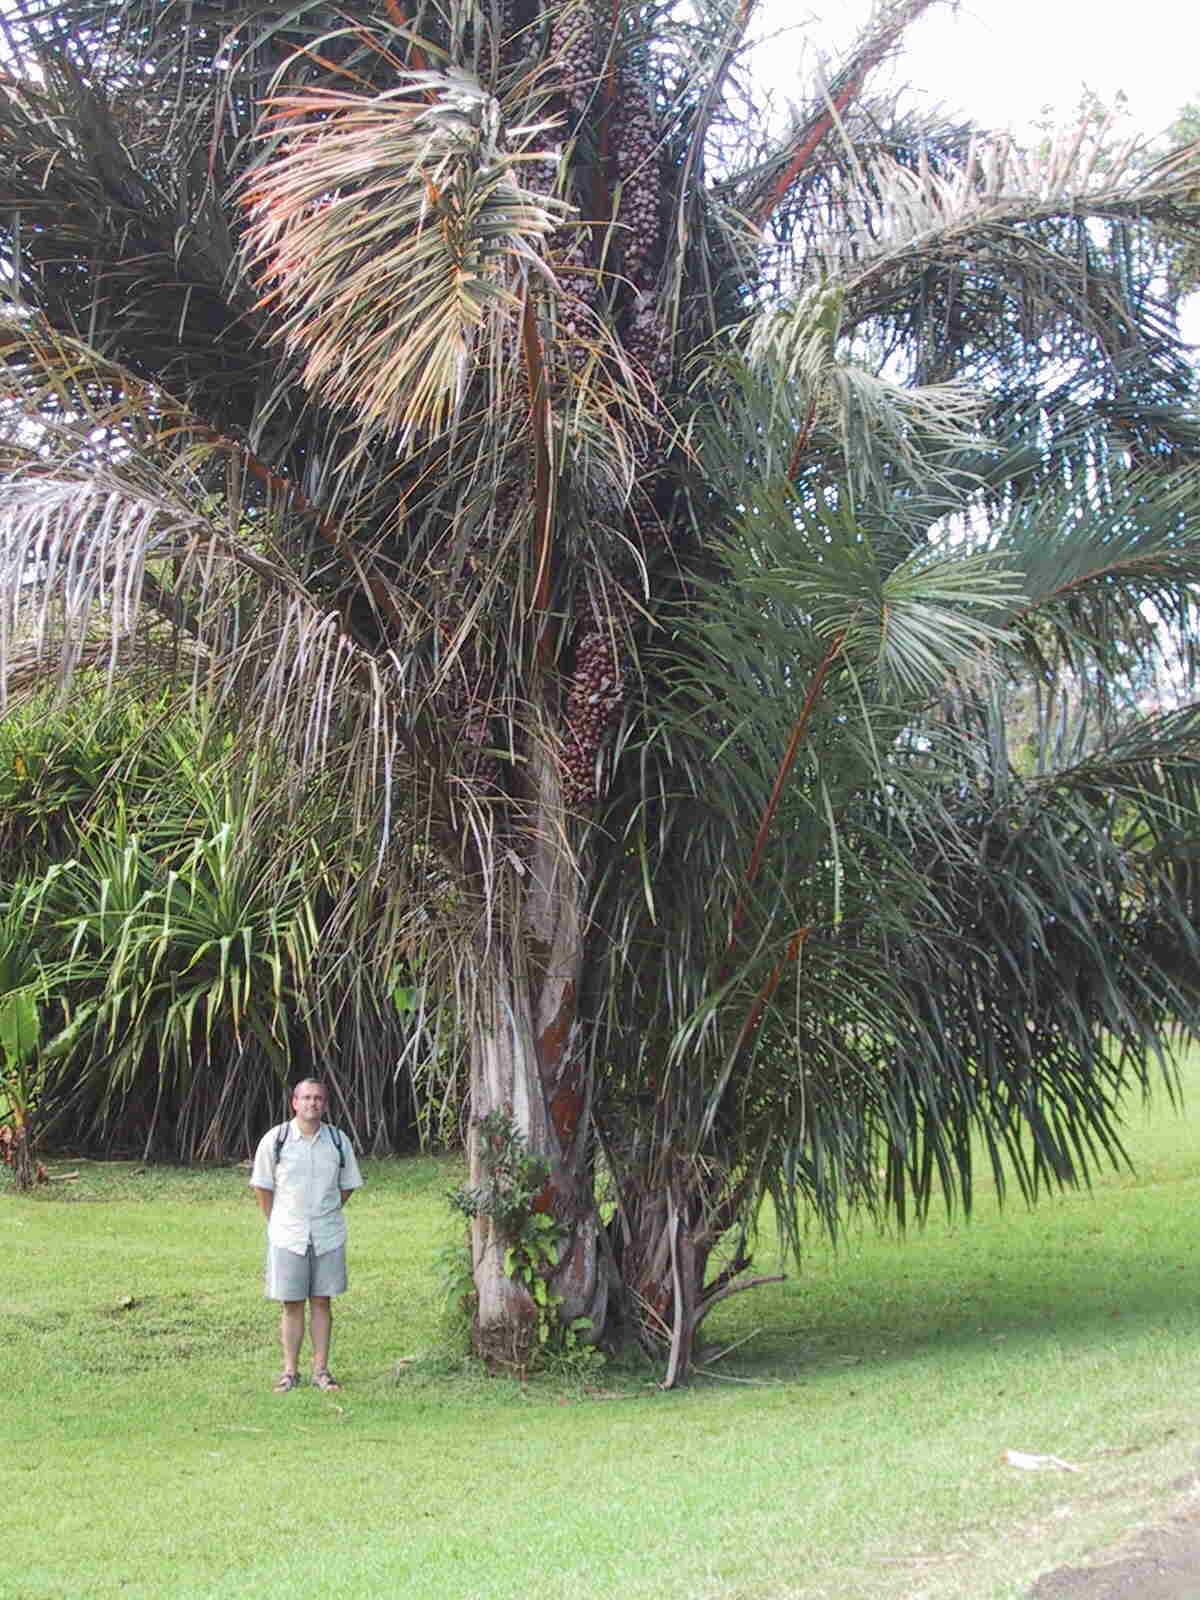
x=635, y=154
x=576, y=55
x=593, y=705
x=646, y=339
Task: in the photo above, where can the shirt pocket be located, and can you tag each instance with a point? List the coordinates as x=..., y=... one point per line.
x=325, y=1165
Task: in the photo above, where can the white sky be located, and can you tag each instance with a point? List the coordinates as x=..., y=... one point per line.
x=1002, y=61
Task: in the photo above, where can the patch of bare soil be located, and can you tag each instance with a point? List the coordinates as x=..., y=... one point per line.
x=1158, y=1561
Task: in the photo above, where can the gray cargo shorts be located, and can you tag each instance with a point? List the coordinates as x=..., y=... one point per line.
x=292, y=1277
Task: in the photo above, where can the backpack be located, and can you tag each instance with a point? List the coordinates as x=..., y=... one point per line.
x=284, y=1128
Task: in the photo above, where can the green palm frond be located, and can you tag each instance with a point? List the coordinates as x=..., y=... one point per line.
x=881, y=427
x=1001, y=184
x=126, y=522
x=936, y=617
x=133, y=253
x=1006, y=251
x=1108, y=568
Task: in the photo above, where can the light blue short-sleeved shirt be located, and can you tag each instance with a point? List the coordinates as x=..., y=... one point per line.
x=307, y=1181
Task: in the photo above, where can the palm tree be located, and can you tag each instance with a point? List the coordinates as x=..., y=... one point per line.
x=643, y=510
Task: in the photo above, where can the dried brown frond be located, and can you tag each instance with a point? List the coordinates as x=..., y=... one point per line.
x=392, y=234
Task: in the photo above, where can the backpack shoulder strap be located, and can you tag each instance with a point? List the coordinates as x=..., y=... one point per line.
x=281, y=1136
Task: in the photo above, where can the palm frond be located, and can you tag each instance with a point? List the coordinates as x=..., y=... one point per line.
x=391, y=230
x=1008, y=260
x=883, y=428
x=1108, y=568
x=1002, y=184
x=118, y=522
x=790, y=163
x=113, y=248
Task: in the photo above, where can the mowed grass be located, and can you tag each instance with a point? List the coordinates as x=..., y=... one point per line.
x=852, y=1446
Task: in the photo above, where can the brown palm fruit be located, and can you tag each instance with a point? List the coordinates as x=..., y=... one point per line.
x=646, y=340
x=635, y=155
x=576, y=55
x=507, y=502
x=514, y=17
x=593, y=706
x=571, y=268
x=539, y=176
x=576, y=299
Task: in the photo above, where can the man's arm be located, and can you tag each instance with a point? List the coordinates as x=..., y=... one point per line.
x=266, y=1199
x=345, y=1194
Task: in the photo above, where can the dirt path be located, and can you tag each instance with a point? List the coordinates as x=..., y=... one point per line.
x=1155, y=1561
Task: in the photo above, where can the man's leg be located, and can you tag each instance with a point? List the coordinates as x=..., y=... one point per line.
x=321, y=1325
x=291, y=1333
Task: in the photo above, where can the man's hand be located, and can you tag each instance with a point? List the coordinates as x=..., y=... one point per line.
x=266, y=1199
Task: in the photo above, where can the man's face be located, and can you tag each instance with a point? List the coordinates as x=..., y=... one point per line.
x=308, y=1102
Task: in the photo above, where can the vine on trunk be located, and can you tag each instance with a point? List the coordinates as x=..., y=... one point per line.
x=514, y=1182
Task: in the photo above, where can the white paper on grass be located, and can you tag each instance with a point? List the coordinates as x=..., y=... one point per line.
x=1034, y=1463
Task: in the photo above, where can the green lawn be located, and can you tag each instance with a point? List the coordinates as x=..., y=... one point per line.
x=852, y=1447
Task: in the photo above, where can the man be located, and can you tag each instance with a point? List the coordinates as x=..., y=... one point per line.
x=304, y=1172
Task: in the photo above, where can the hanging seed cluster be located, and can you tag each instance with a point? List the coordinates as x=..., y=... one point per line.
x=596, y=690
x=576, y=301
x=606, y=500
x=540, y=176
x=576, y=55
x=506, y=503
x=650, y=530
x=487, y=536
x=571, y=270
x=635, y=154
x=645, y=339
x=593, y=705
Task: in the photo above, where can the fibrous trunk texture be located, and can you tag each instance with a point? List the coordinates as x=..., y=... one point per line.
x=526, y=1062
x=16, y=1148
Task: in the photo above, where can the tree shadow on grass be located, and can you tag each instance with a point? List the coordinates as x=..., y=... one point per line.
x=853, y=1318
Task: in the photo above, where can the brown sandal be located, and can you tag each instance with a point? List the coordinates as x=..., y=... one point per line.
x=287, y=1381
x=325, y=1380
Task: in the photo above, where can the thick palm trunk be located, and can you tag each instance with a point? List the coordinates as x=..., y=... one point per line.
x=16, y=1148
x=664, y=1261
x=504, y=1077
x=526, y=1061
x=671, y=1222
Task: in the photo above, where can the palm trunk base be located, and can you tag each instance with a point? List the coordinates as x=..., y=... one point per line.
x=663, y=1265
x=507, y=1348
x=662, y=1244
x=16, y=1149
x=504, y=1331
